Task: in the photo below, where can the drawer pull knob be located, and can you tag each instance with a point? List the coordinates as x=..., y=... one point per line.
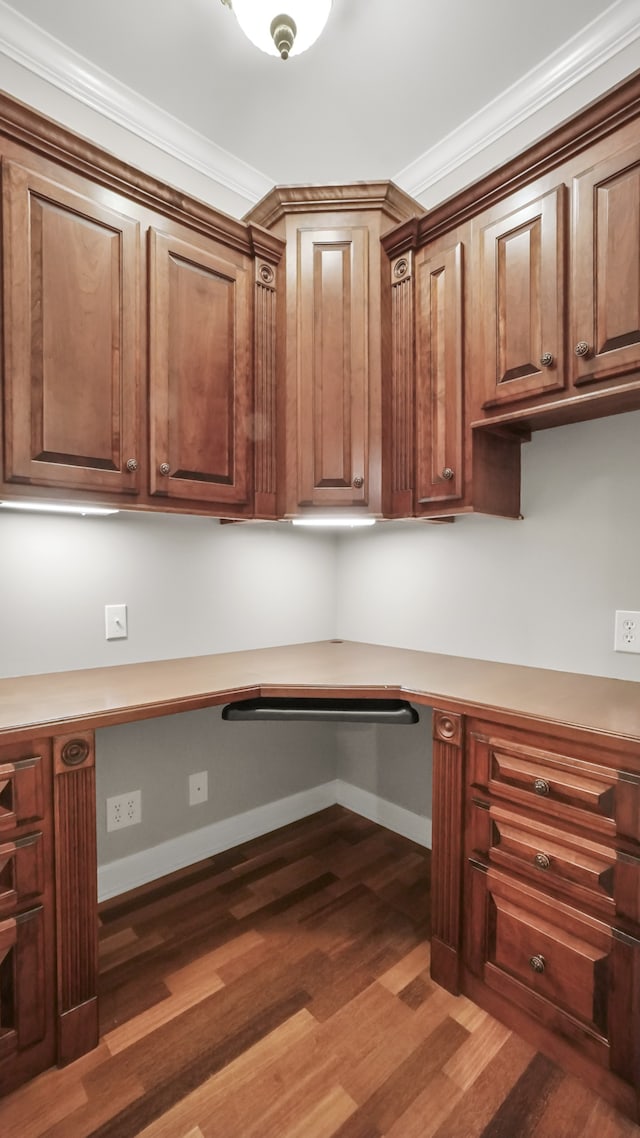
x=358, y=482
x=537, y=963
x=164, y=469
x=542, y=861
x=546, y=360
x=582, y=348
x=541, y=786
x=132, y=465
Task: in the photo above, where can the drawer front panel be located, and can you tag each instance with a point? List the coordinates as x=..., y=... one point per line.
x=556, y=785
x=562, y=967
x=22, y=874
x=21, y=792
x=23, y=1008
x=589, y=873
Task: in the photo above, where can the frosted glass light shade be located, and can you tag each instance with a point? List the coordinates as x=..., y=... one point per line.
x=255, y=18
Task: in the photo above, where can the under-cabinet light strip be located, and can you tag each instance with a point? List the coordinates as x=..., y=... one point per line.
x=344, y=523
x=58, y=508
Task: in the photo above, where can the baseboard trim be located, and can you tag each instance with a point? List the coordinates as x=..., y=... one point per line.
x=416, y=827
x=126, y=873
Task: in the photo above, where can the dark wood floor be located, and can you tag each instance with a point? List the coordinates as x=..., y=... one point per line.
x=282, y=990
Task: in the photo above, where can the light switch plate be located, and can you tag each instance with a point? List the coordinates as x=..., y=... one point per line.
x=115, y=622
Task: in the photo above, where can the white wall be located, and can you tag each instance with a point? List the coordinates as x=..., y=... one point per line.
x=192, y=586
x=541, y=591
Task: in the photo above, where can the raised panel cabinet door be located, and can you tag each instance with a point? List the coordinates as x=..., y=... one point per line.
x=522, y=266
x=199, y=359
x=439, y=376
x=332, y=367
x=71, y=339
x=605, y=323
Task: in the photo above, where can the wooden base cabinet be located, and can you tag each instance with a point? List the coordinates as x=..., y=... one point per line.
x=27, y=912
x=48, y=905
x=550, y=931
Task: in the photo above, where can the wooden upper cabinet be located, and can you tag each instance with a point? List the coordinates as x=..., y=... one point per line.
x=333, y=380
x=71, y=335
x=199, y=368
x=439, y=375
x=605, y=322
x=522, y=251
x=337, y=406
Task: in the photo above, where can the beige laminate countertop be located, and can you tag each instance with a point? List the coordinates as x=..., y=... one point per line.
x=96, y=697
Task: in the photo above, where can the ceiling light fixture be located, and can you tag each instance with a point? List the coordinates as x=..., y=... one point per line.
x=281, y=27
x=58, y=508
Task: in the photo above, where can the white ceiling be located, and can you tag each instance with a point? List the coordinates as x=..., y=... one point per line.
x=388, y=81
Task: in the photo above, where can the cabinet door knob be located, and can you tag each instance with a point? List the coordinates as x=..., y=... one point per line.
x=582, y=348
x=542, y=861
x=546, y=360
x=132, y=464
x=164, y=468
x=358, y=482
x=537, y=962
x=541, y=786
x=448, y=473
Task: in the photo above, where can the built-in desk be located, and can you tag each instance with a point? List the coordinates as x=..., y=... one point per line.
x=536, y=838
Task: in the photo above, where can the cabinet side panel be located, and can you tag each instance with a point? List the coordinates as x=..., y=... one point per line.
x=264, y=419
x=447, y=849
x=399, y=401
x=76, y=885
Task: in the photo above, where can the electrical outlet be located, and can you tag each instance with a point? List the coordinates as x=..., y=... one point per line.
x=627, y=631
x=198, y=788
x=115, y=622
x=124, y=810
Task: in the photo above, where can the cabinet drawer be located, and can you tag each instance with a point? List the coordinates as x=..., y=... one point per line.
x=563, y=787
x=21, y=791
x=21, y=870
x=552, y=961
x=589, y=873
x=24, y=1010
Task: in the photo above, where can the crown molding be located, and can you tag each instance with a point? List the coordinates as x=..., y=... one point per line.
x=580, y=57
x=44, y=55
x=379, y=195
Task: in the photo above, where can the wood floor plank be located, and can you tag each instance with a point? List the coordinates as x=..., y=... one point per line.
x=393, y=1097
x=225, y=1099
x=428, y=1110
x=321, y=1121
x=187, y=996
x=476, y=1053
x=406, y=970
x=485, y=1097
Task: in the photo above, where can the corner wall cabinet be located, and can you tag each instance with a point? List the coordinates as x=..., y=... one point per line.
x=337, y=434
x=535, y=883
